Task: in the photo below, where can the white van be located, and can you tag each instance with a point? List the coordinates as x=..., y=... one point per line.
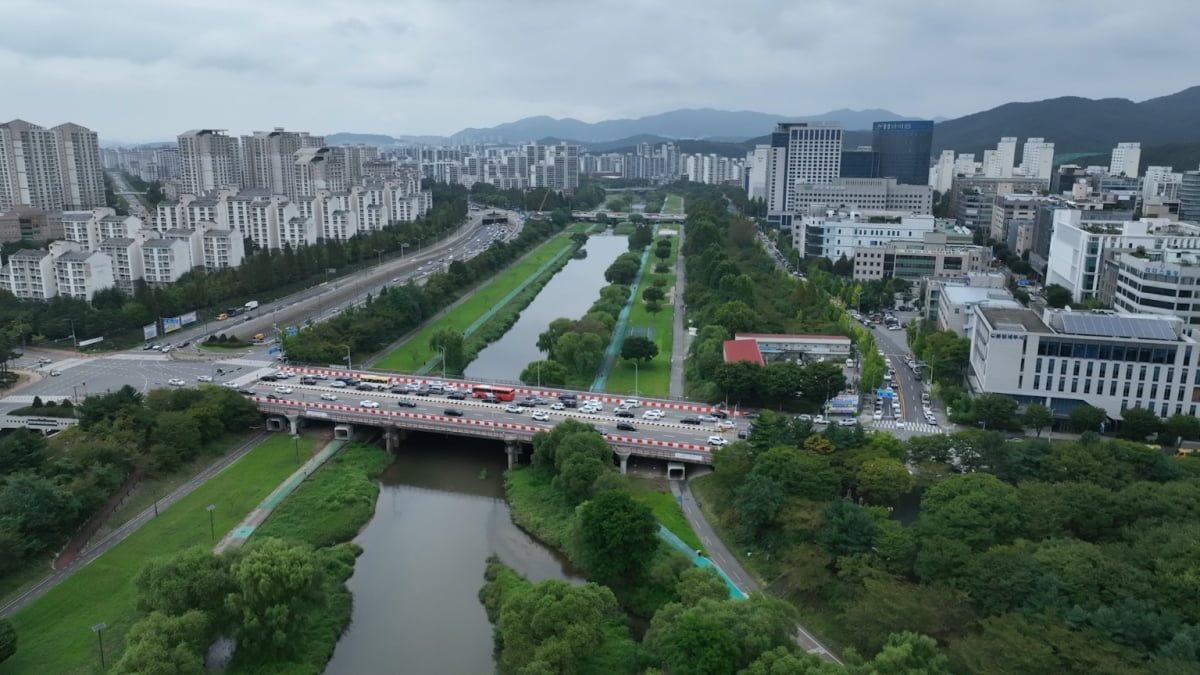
x=631, y=403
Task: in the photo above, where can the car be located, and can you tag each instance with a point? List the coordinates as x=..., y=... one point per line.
x=326, y=396
x=204, y=378
x=624, y=413
x=245, y=392
x=725, y=425
x=452, y=412
x=900, y=424
x=177, y=382
x=368, y=404
x=510, y=408
x=284, y=374
x=406, y=403
x=717, y=441
x=847, y=422
x=449, y=389
x=690, y=420
x=320, y=376
x=456, y=396
x=338, y=384
x=272, y=397
x=932, y=420
x=820, y=419
x=878, y=414
x=232, y=385
x=526, y=403
x=750, y=414
x=412, y=386
x=653, y=415
x=720, y=414
x=539, y=416
x=166, y=348
x=490, y=399
x=283, y=390
x=707, y=418
x=631, y=403
x=147, y=347
x=804, y=418
x=625, y=426
x=557, y=406
x=895, y=327
x=422, y=392
x=743, y=434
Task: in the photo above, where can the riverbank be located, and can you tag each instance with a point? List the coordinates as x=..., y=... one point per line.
x=55, y=630
x=462, y=318
x=651, y=378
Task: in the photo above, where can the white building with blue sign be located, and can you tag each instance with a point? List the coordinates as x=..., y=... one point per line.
x=1164, y=281
x=1063, y=358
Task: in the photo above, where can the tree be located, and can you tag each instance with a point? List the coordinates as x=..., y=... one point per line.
x=1137, y=423
x=1087, y=418
x=1176, y=428
x=8, y=639
x=161, y=644
x=38, y=509
x=277, y=583
x=843, y=267
x=662, y=250
x=653, y=294
x=820, y=380
x=719, y=636
x=452, y=342
x=581, y=353
x=1057, y=296
x=547, y=628
x=908, y=652
x=883, y=480
x=1036, y=417
x=697, y=583
x=624, y=269
x=21, y=449
x=577, y=474
x=617, y=536
x=977, y=509
x=195, y=578
x=544, y=373
x=756, y=502
x=641, y=237
x=846, y=529
x=996, y=411
x=654, y=307
x=638, y=348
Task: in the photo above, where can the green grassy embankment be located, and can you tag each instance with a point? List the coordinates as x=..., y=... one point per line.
x=653, y=378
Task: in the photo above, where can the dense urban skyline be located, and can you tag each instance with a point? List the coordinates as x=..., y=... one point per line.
x=136, y=72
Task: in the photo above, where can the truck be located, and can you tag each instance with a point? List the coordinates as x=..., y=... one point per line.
x=251, y=304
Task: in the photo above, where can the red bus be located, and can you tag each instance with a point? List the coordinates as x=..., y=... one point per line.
x=487, y=390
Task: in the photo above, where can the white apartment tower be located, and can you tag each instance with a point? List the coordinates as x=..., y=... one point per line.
x=1037, y=158
x=1125, y=159
x=208, y=160
x=269, y=158
x=999, y=163
x=943, y=172
x=29, y=167
x=801, y=153
x=79, y=163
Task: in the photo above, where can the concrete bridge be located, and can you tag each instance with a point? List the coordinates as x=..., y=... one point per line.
x=590, y=216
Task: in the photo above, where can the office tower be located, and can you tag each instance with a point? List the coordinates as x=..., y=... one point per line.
x=862, y=162
x=1037, y=158
x=79, y=164
x=801, y=152
x=904, y=150
x=1189, y=196
x=1125, y=159
x=208, y=160
x=29, y=167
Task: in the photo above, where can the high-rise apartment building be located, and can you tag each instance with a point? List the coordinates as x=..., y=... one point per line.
x=80, y=167
x=998, y=163
x=208, y=160
x=801, y=152
x=1037, y=158
x=29, y=167
x=1189, y=196
x=269, y=158
x=904, y=150
x=566, y=165
x=1125, y=159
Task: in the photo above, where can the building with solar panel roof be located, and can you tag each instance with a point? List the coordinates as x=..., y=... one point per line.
x=1063, y=358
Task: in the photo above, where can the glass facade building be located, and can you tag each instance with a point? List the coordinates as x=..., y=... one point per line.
x=904, y=149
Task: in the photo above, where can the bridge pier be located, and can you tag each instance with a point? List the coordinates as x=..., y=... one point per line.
x=676, y=471
x=623, y=456
x=343, y=432
x=391, y=439
x=512, y=448
x=275, y=423
x=294, y=423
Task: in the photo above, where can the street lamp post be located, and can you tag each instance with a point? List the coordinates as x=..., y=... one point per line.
x=212, y=527
x=380, y=252
x=296, y=446
x=635, y=377
x=539, y=371
x=98, y=629
x=443, y=351
x=349, y=365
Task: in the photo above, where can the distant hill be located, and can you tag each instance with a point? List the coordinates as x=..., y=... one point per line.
x=1181, y=156
x=702, y=123
x=1077, y=124
x=381, y=140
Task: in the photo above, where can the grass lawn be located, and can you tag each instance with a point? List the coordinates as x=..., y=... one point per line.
x=411, y=355
x=655, y=494
x=653, y=379
x=55, y=631
x=673, y=204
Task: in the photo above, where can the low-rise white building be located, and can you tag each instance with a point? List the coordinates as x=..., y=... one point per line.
x=1063, y=359
x=932, y=288
x=834, y=234
x=913, y=261
x=79, y=273
x=29, y=275
x=799, y=348
x=223, y=248
x=956, y=306
x=164, y=261
x=864, y=194
x=1164, y=281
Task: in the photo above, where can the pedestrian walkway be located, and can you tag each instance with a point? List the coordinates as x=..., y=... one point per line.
x=922, y=427
x=699, y=560
x=238, y=535
x=618, y=332
x=679, y=338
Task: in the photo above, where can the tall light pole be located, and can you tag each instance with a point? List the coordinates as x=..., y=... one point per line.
x=296, y=446
x=635, y=377
x=443, y=351
x=349, y=365
x=212, y=527
x=404, y=249
x=98, y=629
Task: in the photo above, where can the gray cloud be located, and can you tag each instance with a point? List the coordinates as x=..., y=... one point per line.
x=141, y=71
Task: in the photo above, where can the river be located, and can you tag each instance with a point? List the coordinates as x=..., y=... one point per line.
x=568, y=294
x=440, y=514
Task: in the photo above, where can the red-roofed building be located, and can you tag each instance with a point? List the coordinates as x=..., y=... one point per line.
x=742, y=350
x=772, y=347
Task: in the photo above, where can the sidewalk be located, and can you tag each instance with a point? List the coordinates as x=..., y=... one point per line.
x=679, y=336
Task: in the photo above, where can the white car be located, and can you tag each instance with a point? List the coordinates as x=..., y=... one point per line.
x=326, y=396
x=337, y=384
x=412, y=386
x=283, y=390
x=653, y=415
x=204, y=378
x=449, y=389
x=176, y=382
x=707, y=418
x=368, y=404
x=900, y=424
x=820, y=419
x=847, y=422
x=717, y=441
x=230, y=384
x=878, y=415
x=558, y=406
x=320, y=376
x=540, y=416
x=516, y=409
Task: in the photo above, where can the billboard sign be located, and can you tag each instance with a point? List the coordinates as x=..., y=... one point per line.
x=84, y=343
x=185, y=319
x=171, y=324
x=150, y=331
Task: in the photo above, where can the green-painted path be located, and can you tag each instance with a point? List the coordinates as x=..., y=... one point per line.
x=618, y=333
x=238, y=535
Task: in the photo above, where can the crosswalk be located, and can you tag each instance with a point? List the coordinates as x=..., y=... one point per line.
x=920, y=427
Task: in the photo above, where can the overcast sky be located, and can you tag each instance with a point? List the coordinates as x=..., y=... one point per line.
x=141, y=70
